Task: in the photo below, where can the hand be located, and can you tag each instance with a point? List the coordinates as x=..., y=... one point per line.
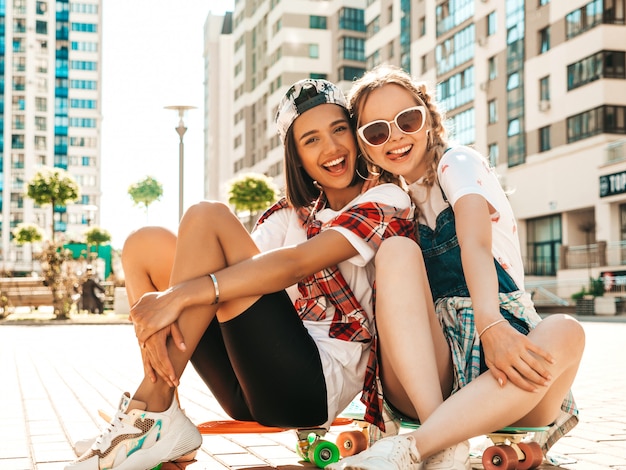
x=153, y=312
x=512, y=356
x=156, y=360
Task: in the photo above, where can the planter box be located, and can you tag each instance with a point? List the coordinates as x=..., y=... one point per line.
x=585, y=306
x=605, y=306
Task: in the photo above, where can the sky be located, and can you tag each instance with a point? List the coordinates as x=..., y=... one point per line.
x=152, y=58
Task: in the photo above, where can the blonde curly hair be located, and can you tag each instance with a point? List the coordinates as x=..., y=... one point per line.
x=437, y=135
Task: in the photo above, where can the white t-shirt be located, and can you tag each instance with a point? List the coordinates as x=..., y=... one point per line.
x=463, y=171
x=344, y=362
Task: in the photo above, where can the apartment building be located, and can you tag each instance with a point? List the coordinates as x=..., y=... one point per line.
x=50, y=53
x=538, y=86
x=218, y=72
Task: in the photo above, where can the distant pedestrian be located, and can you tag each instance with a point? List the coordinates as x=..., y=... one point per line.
x=90, y=299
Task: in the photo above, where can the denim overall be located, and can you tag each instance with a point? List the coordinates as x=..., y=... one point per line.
x=442, y=256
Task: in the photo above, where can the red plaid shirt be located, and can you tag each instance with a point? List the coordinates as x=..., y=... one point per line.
x=373, y=223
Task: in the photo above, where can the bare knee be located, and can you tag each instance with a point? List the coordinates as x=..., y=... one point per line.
x=205, y=211
x=567, y=333
x=398, y=251
x=144, y=240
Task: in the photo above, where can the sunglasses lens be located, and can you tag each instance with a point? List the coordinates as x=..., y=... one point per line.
x=376, y=133
x=410, y=121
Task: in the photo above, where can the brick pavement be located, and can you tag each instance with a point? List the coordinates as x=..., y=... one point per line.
x=55, y=378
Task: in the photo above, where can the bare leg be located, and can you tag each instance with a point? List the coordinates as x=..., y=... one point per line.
x=210, y=237
x=147, y=259
x=464, y=415
x=416, y=366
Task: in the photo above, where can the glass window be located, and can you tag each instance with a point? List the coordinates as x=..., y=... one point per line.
x=514, y=127
x=352, y=19
x=603, y=119
x=317, y=22
x=314, y=51
x=544, y=40
x=544, y=245
x=493, y=111
x=603, y=64
x=544, y=89
x=350, y=73
x=544, y=139
x=493, y=154
x=351, y=48
x=493, y=69
x=491, y=23
x=464, y=127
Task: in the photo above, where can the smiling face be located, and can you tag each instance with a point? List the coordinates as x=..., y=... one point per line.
x=403, y=154
x=327, y=149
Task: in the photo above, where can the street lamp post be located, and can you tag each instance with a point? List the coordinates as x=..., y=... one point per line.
x=180, y=130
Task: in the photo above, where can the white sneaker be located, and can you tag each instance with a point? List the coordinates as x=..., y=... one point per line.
x=452, y=458
x=391, y=453
x=140, y=440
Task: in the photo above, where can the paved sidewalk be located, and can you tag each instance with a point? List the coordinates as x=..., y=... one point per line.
x=54, y=378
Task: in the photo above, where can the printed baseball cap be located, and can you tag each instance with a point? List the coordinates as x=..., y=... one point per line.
x=302, y=96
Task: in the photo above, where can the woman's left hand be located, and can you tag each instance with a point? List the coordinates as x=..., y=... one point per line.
x=512, y=356
x=156, y=360
x=153, y=312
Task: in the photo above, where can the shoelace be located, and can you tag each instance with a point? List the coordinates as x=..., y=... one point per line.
x=110, y=429
x=403, y=455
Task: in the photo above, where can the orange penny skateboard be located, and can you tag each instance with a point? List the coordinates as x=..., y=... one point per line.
x=311, y=447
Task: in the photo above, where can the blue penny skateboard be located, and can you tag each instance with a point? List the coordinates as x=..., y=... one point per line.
x=510, y=453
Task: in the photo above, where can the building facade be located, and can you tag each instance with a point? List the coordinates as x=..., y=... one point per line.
x=537, y=86
x=51, y=57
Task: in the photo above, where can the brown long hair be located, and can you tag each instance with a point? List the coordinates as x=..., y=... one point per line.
x=300, y=188
x=388, y=74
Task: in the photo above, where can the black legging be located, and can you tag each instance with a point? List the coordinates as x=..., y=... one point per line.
x=264, y=366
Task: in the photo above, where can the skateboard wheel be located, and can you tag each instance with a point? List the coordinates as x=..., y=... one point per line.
x=351, y=443
x=533, y=455
x=502, y=457
x=323, y=453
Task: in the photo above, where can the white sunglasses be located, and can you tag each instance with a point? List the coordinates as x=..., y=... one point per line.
x=409, y=121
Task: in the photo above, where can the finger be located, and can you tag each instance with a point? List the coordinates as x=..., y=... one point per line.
x=530, y=375
x=498, y=375
x=539, y=351
x=535, y=371
x=165, y=365
x=519, y=381
x=160, y=370
x=147, y=368
x=177, y=337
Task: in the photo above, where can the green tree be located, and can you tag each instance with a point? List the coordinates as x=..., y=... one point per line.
x=52, y=186
x=252, y=193
x=27, y=234
x=97, y=236
x=145, y=192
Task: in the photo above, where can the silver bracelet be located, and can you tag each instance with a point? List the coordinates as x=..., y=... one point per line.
x=490, y=325
x=216, y=288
